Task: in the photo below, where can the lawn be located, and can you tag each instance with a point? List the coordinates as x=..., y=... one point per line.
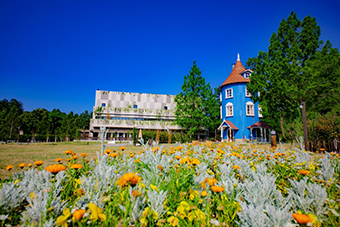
x=28, y=153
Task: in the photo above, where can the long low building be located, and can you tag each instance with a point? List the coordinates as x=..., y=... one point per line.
x=120, y=112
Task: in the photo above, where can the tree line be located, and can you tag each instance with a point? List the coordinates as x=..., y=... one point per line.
x=39, y=124
x=298, y=70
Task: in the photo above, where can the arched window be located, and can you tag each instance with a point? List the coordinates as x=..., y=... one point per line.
x=250, y=108
x=229, y=110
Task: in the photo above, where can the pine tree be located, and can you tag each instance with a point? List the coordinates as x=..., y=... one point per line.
x=197, y=105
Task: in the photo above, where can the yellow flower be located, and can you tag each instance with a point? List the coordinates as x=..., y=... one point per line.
x=173, y=221
x=62, y=219
x=113, y=155
x=204, y=193
x=177, y=157
x=96, y=212
x=154, y=187
x=129, y=179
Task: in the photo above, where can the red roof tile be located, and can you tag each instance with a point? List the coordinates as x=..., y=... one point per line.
x=235, y=75
x=230, y=124
x=259, y=124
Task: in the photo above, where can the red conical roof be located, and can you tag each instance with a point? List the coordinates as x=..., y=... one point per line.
x=235, y=75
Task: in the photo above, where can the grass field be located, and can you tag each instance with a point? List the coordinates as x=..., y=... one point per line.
x=28, y=153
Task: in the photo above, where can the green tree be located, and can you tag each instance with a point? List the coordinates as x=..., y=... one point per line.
x=280, y=74
x=197, y=106
x=10, y=112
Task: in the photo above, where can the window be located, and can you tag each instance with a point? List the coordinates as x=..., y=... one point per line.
x=221, y=111
x=229, y=110
x=165, y=108
x=229, y=93
x=103, y=104
x=246, y=75
x=250, y=108
x=248, y=94
x=260, y=109
x=135, y=106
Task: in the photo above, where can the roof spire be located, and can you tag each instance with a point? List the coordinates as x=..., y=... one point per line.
x=238, y=57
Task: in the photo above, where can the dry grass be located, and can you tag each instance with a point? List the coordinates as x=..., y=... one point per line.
x=29, y=153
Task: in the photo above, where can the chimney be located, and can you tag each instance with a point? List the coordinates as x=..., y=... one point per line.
x=232, y=65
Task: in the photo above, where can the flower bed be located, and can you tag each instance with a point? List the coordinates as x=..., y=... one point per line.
x=201, y=185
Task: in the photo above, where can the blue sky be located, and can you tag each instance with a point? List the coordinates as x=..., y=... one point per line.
x=55, y=54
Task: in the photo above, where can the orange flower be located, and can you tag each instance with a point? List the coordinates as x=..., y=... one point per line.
x=55, y=168
x=217, y=188
x=83, y=155
x=29, y=165
x=22, y=165
x=211, y=182
x=108, y=151
x=76, y=166
x=67, y=159
x=79, y=192
x=113, y=155
x=302, y=219
x=122, y=148
x=68, y=152
x=204, y=193
x=58, y=159
x=9, y=167
x=177, y=157
x=129, y=179
x=75, y=157
x=195, y=161
x=78, y=214
x=135, y=193
x=304, y=172
x=38, y=163
x=236, y=167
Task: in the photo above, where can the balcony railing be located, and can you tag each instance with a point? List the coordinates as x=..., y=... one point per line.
x=131, y=123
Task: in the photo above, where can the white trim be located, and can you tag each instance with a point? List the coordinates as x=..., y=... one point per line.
x=230, y=95
x=248, y=94
x=250, y=111
x=229, y=107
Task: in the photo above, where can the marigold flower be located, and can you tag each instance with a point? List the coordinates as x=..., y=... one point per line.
x=62, y=219
x=22, y=165
x=129, y=179
x=9, y=167
x=204, y=193
x=76, y=166
x=211, y=181
x=67, y=159
x=108, y=151
x=78, y=214
x=38, y=163
x=113, y=155
x=195, y=161
x=122, y=148
x=83, y=155
x=79, y=192
x=177, y=157
x=75, y=157
x=29, y=165
x=58, y=159
x=217, y=188
x=68, y=152
x=135, y=193
x=304, y=172
x=302, y=219
x=236, y=167
x=55, y=168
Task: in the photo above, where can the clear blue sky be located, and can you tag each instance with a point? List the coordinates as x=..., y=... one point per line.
x=55, y=54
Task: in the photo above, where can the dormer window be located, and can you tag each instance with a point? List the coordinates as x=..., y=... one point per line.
x=248, y=94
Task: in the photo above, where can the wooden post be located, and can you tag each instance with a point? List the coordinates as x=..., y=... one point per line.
x=273, y=139
x=304, y=119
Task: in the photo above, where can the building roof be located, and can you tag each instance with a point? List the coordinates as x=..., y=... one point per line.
x=235, y=75
x=229, y=124
x=260, y=124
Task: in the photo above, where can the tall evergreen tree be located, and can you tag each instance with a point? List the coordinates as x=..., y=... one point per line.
x=197, y=105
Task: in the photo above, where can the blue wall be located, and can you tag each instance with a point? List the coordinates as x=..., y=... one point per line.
x=240, y=118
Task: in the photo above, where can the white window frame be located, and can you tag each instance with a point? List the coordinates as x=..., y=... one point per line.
x=229, y=93
x=260, y=109
x=229, y=108
x=250, y=109
x=248, y=94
